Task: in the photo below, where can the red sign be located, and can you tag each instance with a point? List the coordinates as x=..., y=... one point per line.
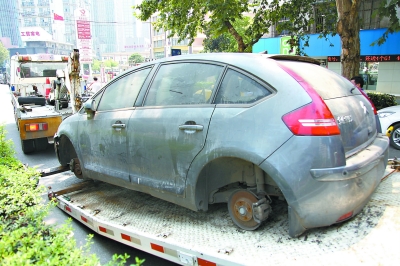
x=333, y=58
x=83, y=28
x=370, y=58
x=380, y=58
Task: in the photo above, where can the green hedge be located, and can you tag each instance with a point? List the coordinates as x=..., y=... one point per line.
x=24, y=237
x=382, y=100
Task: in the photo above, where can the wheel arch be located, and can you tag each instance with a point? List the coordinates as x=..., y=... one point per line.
x=65, y=149
x=223, y=171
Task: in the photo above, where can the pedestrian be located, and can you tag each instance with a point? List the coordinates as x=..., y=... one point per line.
x=95, y=86
x=358, y=82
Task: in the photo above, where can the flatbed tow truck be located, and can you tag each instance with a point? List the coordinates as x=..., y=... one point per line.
x=45, y=89
x=185, y=237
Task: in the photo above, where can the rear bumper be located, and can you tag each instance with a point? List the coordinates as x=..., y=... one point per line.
x=52, y=126
x=321, y=196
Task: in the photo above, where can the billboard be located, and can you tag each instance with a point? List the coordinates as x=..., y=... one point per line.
x=84, y=35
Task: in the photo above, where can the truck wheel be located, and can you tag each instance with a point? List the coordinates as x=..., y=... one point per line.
x=28, y=146
x=41, y=144
x=240, y=206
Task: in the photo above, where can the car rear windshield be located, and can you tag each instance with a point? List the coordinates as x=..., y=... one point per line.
x=327, y=83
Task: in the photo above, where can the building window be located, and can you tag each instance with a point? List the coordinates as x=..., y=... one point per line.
x=369, y=72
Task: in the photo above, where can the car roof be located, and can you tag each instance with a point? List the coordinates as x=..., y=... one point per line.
x=232, y=58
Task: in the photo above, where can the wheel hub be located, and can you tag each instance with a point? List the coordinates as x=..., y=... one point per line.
x=240, y=206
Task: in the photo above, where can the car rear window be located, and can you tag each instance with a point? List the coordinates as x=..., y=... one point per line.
x=327, y=83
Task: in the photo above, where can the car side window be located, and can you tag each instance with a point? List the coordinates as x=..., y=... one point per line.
x=183, y=83
x=237, y=88
x=123, y=92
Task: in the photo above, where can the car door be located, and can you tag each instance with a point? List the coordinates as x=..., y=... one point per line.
x=170, y=127
x=103, y=138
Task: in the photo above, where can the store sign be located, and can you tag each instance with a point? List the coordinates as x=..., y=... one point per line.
x=285, y=46
x=370, y=58
x=84, y=35
x=333, y=58
x=380, y=58
x=34, y=34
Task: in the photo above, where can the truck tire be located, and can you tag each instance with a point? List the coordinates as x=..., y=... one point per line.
x=28, y=146
x=41, y=144
x=32, y=100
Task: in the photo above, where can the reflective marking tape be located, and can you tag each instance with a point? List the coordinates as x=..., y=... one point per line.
x=157, y=247
x=105, y=230
x=202, y=262
x=83, y=218
x=130, y=239
x=164, y=250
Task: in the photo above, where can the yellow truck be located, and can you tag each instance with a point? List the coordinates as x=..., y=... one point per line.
x=41, y=94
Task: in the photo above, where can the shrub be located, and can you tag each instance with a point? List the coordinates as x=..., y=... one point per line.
x=382, y=100
x=24, y=237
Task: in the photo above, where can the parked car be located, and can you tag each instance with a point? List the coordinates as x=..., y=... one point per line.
x=241, y=129
x=390, y=123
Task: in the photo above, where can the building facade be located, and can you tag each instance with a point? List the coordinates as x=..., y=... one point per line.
x=9, y=15
x=379, y=66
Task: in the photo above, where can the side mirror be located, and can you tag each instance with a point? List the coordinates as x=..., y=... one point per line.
x=89, y=106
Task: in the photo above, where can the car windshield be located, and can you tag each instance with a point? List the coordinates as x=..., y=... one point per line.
x=40, y=69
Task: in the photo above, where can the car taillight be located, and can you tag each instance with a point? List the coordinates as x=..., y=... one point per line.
x=36, y=127
x=313, y=119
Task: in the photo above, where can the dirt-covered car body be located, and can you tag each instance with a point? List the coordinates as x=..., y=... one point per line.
x=238, y=128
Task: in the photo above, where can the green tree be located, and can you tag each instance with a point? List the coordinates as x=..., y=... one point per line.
x=110, y=63
x=96, y=65
x=225, y=42
x=185, y=18
x=135, y=59
x=4, y=54
x=387, y=8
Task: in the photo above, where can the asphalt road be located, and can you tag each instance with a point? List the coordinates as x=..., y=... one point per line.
x=103, y=247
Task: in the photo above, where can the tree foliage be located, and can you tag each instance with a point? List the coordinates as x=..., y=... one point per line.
x=4, y=54
x=219, y=20
x=387, y=8
x=96, y=65
x=136, y=58
x=110, y=63
x=225, y=42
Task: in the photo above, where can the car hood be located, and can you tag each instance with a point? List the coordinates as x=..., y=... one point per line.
x=395, y=109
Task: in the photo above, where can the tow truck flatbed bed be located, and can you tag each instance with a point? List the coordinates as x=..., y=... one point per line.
x=196, y=238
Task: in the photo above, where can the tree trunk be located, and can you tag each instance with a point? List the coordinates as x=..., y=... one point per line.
x=238, y=38
x=348, y=28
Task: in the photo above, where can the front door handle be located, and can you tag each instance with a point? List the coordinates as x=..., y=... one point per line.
x=118, y=124
x=191, y=127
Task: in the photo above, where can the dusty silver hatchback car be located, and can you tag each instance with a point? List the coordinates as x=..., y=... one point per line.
x=244, y=129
